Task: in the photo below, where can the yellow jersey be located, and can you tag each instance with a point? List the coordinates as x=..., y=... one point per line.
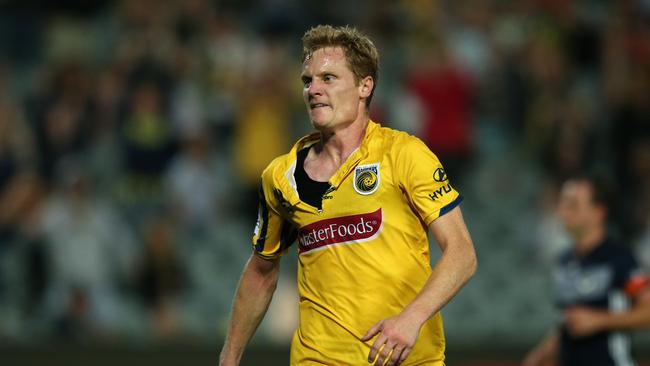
x=364, y=256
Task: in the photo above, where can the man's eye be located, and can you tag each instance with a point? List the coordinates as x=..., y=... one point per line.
x=328, y=78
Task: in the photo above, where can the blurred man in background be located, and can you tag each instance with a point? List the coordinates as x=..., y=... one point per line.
x=358, y=198
x=594, y=283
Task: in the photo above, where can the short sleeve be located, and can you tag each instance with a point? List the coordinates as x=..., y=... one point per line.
x=273, y=235
x=629, y=275
x=424, y=180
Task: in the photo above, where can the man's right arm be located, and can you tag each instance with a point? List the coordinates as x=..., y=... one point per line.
x=545, y=353
x=254, y=293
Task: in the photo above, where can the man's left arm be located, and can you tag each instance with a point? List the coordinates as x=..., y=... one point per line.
x=456, y=266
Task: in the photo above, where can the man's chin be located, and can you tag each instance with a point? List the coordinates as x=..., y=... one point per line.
x=319, y=124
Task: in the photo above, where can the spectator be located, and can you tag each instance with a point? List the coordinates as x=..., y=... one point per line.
x=161, y=277
x=89, y=250
x=198, y=180
x=445, y=93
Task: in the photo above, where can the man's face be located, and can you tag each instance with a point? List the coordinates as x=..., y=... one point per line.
x=332, y=96
x=576, y=208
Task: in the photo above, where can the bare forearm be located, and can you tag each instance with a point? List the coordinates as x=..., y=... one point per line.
x=636, y=318
x=453, y=270
x=457, y=264
x=252, y=299
x=455, y=267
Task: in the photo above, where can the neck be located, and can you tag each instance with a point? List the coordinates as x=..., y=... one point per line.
x=340, y=144
x=589, y=239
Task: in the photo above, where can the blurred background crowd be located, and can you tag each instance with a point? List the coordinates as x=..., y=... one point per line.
x=133, y=134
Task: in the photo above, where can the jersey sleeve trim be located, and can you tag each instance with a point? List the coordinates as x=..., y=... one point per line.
x=264, y=218
x=445, y=209
x=288, y=236
x=451, y=205
x=266, y=257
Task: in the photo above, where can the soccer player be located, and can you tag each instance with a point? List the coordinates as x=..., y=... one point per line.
x=594, y=282
x=359, y=200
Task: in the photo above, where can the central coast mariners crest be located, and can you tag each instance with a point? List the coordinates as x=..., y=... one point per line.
x=366, y=178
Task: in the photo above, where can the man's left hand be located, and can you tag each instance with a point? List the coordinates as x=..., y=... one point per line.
x=397, y=334
x=582, y=321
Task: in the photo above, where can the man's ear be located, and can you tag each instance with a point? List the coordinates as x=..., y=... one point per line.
x=365, y=86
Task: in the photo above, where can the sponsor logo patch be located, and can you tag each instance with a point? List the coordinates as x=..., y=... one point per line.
x=366, y=179
x=328, y=194
x=439, y=175
x=440, y=192
x=340, y=230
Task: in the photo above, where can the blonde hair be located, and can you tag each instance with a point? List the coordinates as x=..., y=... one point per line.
x=360, y=52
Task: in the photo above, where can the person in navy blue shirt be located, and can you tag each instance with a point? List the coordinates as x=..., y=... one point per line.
x=598, y=285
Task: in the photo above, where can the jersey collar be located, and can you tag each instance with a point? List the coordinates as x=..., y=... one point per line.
x=286, y=181
x=354, y=159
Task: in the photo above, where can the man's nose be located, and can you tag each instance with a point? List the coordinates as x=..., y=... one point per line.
x=315, y=88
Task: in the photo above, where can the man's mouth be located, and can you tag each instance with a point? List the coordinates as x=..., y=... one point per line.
x=317, y=105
